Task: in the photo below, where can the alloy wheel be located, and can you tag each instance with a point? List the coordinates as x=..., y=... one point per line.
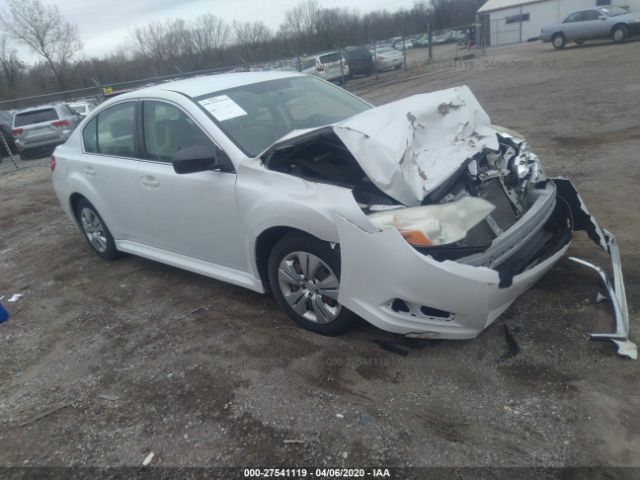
x=310, y=287
x=93, y=229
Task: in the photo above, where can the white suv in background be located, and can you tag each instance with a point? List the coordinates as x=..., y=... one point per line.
x=330, y=66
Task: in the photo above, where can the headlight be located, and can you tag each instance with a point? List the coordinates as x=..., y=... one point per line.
x=435, y=224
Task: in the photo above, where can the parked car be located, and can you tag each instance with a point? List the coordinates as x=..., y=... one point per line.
x=83, y=107
x=388, y=59
x=37, y=131
x=330, y=66
x=601, y=22
x=421, y=41
x=408, y=44
x=359, y=60
x=280, y=182
x=8, y=145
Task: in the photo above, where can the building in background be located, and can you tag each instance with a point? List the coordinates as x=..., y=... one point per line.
x=504, y=22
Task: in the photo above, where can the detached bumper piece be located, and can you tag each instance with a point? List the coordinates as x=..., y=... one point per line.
x=616, y=292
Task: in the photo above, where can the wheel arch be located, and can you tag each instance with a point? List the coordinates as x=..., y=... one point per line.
x=264, y=244
x=74, y=200
x=619, y=24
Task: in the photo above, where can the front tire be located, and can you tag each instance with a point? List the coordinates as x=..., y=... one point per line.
x=304, y=274
x=620, y=33
x=95, y=231
x=558, y=41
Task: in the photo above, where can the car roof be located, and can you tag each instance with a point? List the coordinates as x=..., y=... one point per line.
x=195, y=87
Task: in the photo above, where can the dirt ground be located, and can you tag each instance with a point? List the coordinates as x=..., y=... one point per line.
x=102, y=363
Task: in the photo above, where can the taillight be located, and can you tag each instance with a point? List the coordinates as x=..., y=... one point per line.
x=53, y=163
x=60, y=123
x=16, y=132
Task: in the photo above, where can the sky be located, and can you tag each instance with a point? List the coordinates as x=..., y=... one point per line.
x=106, y=25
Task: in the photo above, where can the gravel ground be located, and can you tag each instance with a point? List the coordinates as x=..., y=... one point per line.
x=103, y=363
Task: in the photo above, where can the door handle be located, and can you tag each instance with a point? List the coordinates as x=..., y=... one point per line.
x=149, y=182
x=89, y=171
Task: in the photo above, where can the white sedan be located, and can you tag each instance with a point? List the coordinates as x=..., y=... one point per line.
x=418, y=216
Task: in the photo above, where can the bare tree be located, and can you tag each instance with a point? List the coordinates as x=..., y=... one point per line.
x=209, y=36
x=11, y=68
x=158, y=41
x=300, y=22
x=250, y=37
x=45, y=31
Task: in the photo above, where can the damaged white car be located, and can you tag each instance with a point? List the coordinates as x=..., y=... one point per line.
x=418, y=216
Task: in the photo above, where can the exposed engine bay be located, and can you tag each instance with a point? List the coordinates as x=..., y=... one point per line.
x=507, y=179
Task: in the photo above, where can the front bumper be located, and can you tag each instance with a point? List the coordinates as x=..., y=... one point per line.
x=396, y=288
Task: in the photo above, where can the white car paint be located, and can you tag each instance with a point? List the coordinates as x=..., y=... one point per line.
x=209, y=222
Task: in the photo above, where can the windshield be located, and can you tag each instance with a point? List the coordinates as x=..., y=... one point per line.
x=254, y=116
x=613, y=11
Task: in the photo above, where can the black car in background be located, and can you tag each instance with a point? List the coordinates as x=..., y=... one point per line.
x=360, y=61
x=6, y=120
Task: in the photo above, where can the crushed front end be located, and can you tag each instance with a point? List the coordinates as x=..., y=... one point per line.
x=512, y=244
x=461, y=217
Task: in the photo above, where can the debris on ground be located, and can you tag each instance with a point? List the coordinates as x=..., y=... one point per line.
x=393, y=347
x=46, y=414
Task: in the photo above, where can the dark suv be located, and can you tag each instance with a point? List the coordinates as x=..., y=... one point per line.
x=360, y=61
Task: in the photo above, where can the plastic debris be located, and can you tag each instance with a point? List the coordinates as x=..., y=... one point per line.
x=15, y=297
x=109, y=397
x=147, y=459
x=4, y=315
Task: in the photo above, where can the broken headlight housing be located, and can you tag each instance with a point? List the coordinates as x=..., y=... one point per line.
x=433, y=225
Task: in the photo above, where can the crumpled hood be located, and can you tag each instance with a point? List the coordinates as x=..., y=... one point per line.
x=409, y=147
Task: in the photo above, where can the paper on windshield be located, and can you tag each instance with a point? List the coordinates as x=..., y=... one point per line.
x=222, y=108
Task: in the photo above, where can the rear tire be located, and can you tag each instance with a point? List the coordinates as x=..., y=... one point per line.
x=304, y=275
x=620, y=33
x=95, y=231
x=558, y=41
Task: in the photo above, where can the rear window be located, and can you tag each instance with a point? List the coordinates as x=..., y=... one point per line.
x=35, y=116
x=330, y=58
x=354, y=53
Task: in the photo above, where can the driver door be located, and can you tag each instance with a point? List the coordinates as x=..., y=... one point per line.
x=572, y=26
x=195, y=214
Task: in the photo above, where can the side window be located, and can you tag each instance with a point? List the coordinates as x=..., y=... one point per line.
x=89, y=136
x=168, y=129
x=591, y=15
x=116, y=131
x=574, y=17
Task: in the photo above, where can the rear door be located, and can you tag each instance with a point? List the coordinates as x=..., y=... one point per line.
x=109, y=167
x=192, y=214
x=572, y=26
x=593, y=25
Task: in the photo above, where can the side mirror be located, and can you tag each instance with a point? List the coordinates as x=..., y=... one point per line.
x=197, y=158
x=602, y=17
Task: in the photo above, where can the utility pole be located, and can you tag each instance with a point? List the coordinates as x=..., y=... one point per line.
x=430, y=37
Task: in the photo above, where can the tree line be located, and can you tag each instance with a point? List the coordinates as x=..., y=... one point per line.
x=208, y=42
